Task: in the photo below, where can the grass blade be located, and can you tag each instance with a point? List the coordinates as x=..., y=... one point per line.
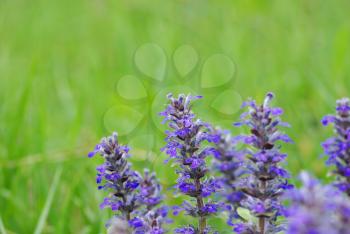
x=2, y=227
x=44, y=213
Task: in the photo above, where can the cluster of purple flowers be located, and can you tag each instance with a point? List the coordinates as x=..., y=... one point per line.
x=316, y=208
x=240, y=175
x=338, y=146
x=229, y=163
x=133, y=197
x=265, y=179
x=186, y=146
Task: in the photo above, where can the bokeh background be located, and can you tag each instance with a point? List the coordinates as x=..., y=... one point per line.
x=63, y=85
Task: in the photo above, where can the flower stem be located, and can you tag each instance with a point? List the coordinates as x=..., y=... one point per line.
x=202, y=225
x=262, y=219
x=262, y=225
x=202, y=220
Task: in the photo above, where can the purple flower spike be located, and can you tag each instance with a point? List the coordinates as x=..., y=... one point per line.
x=185, y=145
x=192, y=230
x=312, y=210
x=150, y=190
x=116, y=175
x=337, y=148
x=134, y=199
x=229, y=163
x=264, y=179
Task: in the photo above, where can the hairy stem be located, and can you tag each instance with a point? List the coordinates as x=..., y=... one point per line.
x=202, y=224
x=262, y=225
x=127, y=212
x=262, y=219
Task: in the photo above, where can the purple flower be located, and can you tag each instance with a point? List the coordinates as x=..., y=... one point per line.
x=153, y=216
x=150, y=190
x=116, y=176
x=136, y=223
x=210, y=208
x=264, y=180
x=317, y=209
x=192, y=230
x=186, y=146
x=229, y=165
x=243, y=228
x=134, y=198
x=186, y=230
x=152, y=221
x=337, y=148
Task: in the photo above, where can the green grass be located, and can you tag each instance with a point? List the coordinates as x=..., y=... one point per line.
x=60, y=61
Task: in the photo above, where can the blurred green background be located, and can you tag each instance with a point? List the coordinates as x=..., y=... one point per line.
x=61, y=65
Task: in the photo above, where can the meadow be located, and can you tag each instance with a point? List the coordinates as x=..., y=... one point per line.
x=61, y=69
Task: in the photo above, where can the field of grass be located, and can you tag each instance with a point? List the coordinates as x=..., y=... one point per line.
x=60, y=63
